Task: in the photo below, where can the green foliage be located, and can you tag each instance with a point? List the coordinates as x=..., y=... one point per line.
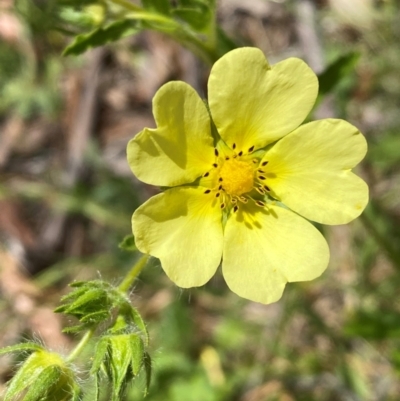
x=374, y=325
x=160, y=6
x=128, y=244
x=43, y=376
x=336, y=72
x=190, y=22
x=196, y=13
x=100, y=36
x=120, y=356
x=94, y=302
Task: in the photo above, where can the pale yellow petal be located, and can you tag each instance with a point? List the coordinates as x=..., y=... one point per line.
x=182, y=227
x=180, y=149
x=310, y=171
x=253, y=103
x=265, y=248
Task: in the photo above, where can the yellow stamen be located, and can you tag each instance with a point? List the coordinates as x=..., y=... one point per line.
x=237, y=176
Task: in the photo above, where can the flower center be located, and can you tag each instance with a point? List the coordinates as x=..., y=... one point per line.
x=237, y=176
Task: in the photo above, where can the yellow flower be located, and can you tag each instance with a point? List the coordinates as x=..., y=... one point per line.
x=240, y=191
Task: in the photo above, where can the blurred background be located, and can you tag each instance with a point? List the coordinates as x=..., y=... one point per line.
x=67, y=195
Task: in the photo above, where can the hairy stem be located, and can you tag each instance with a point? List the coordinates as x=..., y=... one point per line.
x=81, y=345
x=133, y=273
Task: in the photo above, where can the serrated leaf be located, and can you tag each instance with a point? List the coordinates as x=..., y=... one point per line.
x=336, y=71
x=29, y=346
x=128, y=244
x=101, y=36
x=160, y=6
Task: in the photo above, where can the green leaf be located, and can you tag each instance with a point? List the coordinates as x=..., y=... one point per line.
x=100, y=36
x=43, y=376
x=160, y=6
x=128, y=244
x=199, y=17
x=336, y=71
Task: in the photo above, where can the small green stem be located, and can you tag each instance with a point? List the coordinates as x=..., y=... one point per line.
x=133, y=273
x=81, y=345
x=127, y=4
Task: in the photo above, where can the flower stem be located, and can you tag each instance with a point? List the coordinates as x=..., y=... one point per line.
x=133, y=273
x=127, y=4
x=81, y=345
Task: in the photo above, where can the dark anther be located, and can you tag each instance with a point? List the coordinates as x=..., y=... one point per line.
x=234, y=146
x=235, y=209
x=261, y=177
x=261, y=171
x=226, y=158
x=260, y=190
x=260, y=203
x=251, y=149
x=207, y=191
x=215, y=165
x=264, y=163
x=255, y=161
x=222, y=205
x=220, y=187
x=240, y=153
x=216, y=152
x=206, y=174
x=220, y=179
x=267, y=188
x=217, y=194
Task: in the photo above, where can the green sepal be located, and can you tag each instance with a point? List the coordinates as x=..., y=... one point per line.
x=43, y=376
x=120, y=357
x=147, y=368
x=101, y=36
x=128, y=244
x=42, y=387
x=139, y=322
x=90, y=302
x=94, y=302
x=23, y=347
